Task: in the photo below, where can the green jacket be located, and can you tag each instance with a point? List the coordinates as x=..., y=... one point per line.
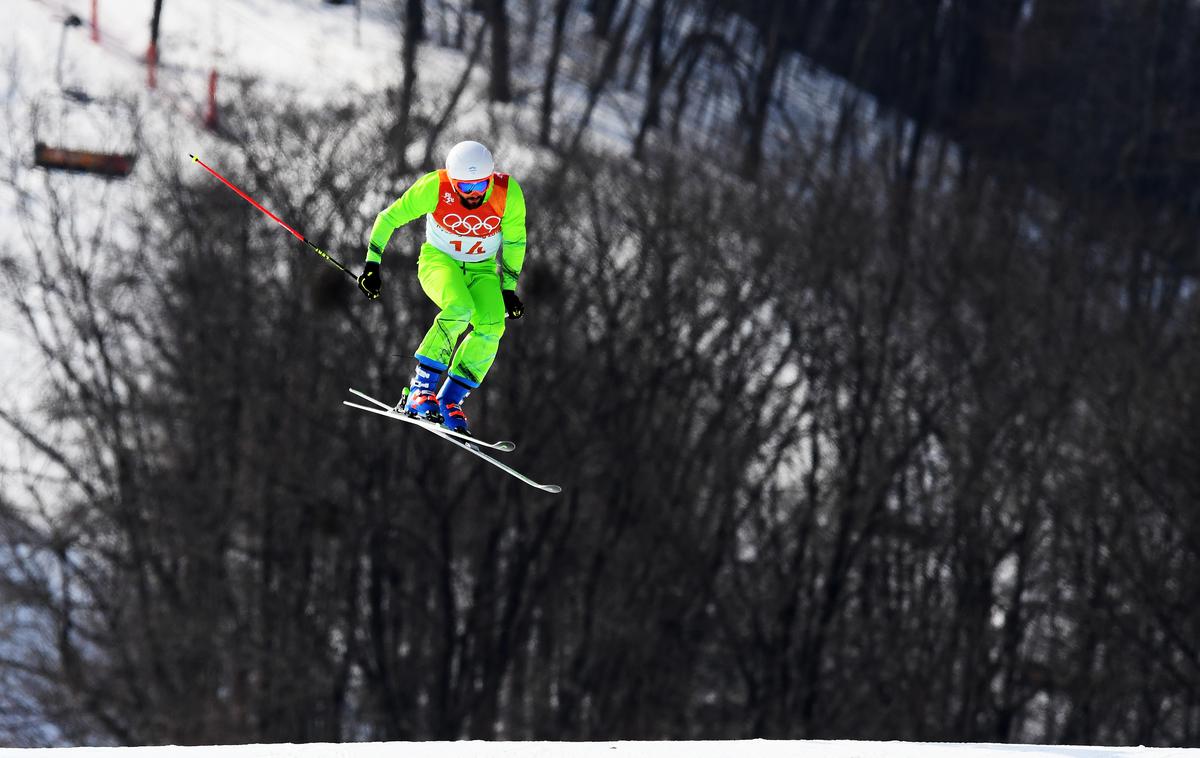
x=422, y=199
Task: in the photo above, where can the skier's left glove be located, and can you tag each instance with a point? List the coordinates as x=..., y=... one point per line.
x=370, y=281
x=513, y=306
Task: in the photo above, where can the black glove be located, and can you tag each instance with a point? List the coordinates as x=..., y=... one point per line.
x=370, y=281
x=513, y=305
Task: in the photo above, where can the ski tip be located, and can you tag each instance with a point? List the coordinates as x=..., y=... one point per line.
x=505, y=446
x=194, y=158
x=551, y=488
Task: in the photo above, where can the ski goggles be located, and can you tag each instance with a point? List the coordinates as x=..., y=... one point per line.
x=468, y=187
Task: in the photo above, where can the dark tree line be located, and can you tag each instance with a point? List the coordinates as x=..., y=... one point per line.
x=1090, y=98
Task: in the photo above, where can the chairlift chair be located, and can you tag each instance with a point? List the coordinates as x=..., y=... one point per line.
x=74, y=131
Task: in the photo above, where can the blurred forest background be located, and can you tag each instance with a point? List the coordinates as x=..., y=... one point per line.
x=891, y=431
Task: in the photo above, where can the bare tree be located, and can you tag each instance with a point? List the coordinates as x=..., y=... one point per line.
x=759, y=104
x=603, y=75
x=603, y=12
x=412, y=35
x=550, y=78
x=500, y=72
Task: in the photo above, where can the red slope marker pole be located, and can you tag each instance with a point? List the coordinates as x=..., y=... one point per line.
x=336, y=264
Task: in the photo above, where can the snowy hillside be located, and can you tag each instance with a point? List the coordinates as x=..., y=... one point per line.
x=740, y=749
x=68, y=85
x=72, y=80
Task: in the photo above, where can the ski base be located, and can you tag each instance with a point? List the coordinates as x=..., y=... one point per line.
x=466, y=442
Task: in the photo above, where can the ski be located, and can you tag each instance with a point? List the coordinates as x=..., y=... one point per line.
x=504, y=446
x=470, y=444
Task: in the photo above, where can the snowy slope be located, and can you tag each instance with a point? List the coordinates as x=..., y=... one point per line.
x=306, y=43
x=731, y=749
x=294, y=49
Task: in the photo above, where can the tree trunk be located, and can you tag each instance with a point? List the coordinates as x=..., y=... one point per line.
x=414, y=32
x=533, y=23
x=501, y=86
x=556, y=44
x=682, y=91
x=414, y=17
x=603, y=12
x=764, y=82
x=654, y=38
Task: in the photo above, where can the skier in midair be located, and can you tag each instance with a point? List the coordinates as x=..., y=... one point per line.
x=471, y=214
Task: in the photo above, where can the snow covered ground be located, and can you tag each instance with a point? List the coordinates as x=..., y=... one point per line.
x=730, y=749
x=64, y=86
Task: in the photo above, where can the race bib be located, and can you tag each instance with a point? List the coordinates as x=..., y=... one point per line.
x=467, y=234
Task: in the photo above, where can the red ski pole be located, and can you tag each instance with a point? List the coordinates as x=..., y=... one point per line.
x=277, y=220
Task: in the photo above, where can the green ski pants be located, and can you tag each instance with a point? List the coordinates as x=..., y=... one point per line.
x=468, y=294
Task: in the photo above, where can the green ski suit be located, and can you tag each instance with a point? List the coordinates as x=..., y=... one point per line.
x=458, y=271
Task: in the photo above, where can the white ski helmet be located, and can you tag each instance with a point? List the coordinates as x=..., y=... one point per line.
x=469, y=161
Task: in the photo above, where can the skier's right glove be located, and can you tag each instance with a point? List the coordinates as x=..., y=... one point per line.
x=370, y=281
x=513, y=307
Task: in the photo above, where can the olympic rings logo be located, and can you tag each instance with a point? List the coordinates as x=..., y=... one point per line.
x=471, y=225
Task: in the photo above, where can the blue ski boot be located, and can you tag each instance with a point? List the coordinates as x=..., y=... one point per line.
x=420, y=400
x=450, y=401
